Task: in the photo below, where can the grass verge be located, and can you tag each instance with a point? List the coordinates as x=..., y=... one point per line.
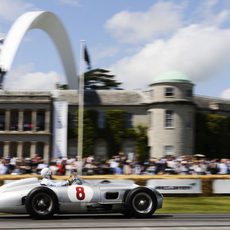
x=217, y=204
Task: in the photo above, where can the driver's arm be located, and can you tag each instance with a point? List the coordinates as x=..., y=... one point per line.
x=54, y=183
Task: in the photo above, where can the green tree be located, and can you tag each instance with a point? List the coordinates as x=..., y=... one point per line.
x=90, y=130
x=141, y=146
x=115, y=132
x=115, y=129
x=97, y=79
x=212, y=135
x=201, y=134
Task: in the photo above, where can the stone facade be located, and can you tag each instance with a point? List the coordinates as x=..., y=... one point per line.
x=167, y=108
x=25, y=124
x=171, y=130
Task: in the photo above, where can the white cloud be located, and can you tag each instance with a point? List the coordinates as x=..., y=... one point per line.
x=226, y=94
x=161, y=19
x=11, y=9
x=75, y=3
x=103, y=52
x=208, y=14
x=22, y=79
x=198, y=51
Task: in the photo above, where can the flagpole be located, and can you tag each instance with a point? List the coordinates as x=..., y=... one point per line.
x=80, y=109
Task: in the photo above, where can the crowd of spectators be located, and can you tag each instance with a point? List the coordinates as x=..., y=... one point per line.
x=120, y=164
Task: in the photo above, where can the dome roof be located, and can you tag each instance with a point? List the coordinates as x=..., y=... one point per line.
x=171, y=77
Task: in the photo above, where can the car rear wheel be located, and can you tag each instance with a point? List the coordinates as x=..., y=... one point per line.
x=140, y=202
x=41, y=203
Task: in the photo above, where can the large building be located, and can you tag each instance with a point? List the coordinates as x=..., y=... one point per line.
x=167, y=108
x=25, y=123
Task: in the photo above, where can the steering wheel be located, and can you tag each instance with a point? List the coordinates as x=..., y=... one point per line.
x=76, y=180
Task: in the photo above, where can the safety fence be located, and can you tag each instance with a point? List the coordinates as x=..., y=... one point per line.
x=206, y=185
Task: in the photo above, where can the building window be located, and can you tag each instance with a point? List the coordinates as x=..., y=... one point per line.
x=189, y=92
x=40, y=121
x=40, y=149
x=169, y=118
x=2, y=120
x=1, y=149
x=128, y=120
x=169, y=92
x=13, y=149
x=169, y=150
x=26, y=149
x=101, y=120
x=14, y=120
x=27, y=121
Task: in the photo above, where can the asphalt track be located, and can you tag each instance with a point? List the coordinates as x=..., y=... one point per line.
x=115, y=222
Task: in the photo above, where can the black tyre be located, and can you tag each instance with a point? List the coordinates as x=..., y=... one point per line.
x=41, y=203
x=140, y=202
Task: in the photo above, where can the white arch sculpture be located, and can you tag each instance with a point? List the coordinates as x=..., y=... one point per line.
x=49, y=23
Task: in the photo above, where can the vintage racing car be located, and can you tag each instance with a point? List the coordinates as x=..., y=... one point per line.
x=27, y=196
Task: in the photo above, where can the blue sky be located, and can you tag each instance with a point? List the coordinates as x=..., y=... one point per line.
x=135, y=39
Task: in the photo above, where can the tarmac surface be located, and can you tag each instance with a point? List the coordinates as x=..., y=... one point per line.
x=117, y=221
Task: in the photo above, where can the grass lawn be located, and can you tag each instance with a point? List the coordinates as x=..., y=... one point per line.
x=217, y=204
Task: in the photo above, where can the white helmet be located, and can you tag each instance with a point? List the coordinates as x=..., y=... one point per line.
x=46, y=173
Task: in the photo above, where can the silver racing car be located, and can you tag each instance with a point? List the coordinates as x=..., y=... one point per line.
x=27, y=196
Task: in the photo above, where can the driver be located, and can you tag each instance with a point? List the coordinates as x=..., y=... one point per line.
x=74, y=177
x=46, y=174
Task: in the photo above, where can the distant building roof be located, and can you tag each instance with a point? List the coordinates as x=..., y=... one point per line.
x=105, y=97
x=212, y=103
x=171, y=76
